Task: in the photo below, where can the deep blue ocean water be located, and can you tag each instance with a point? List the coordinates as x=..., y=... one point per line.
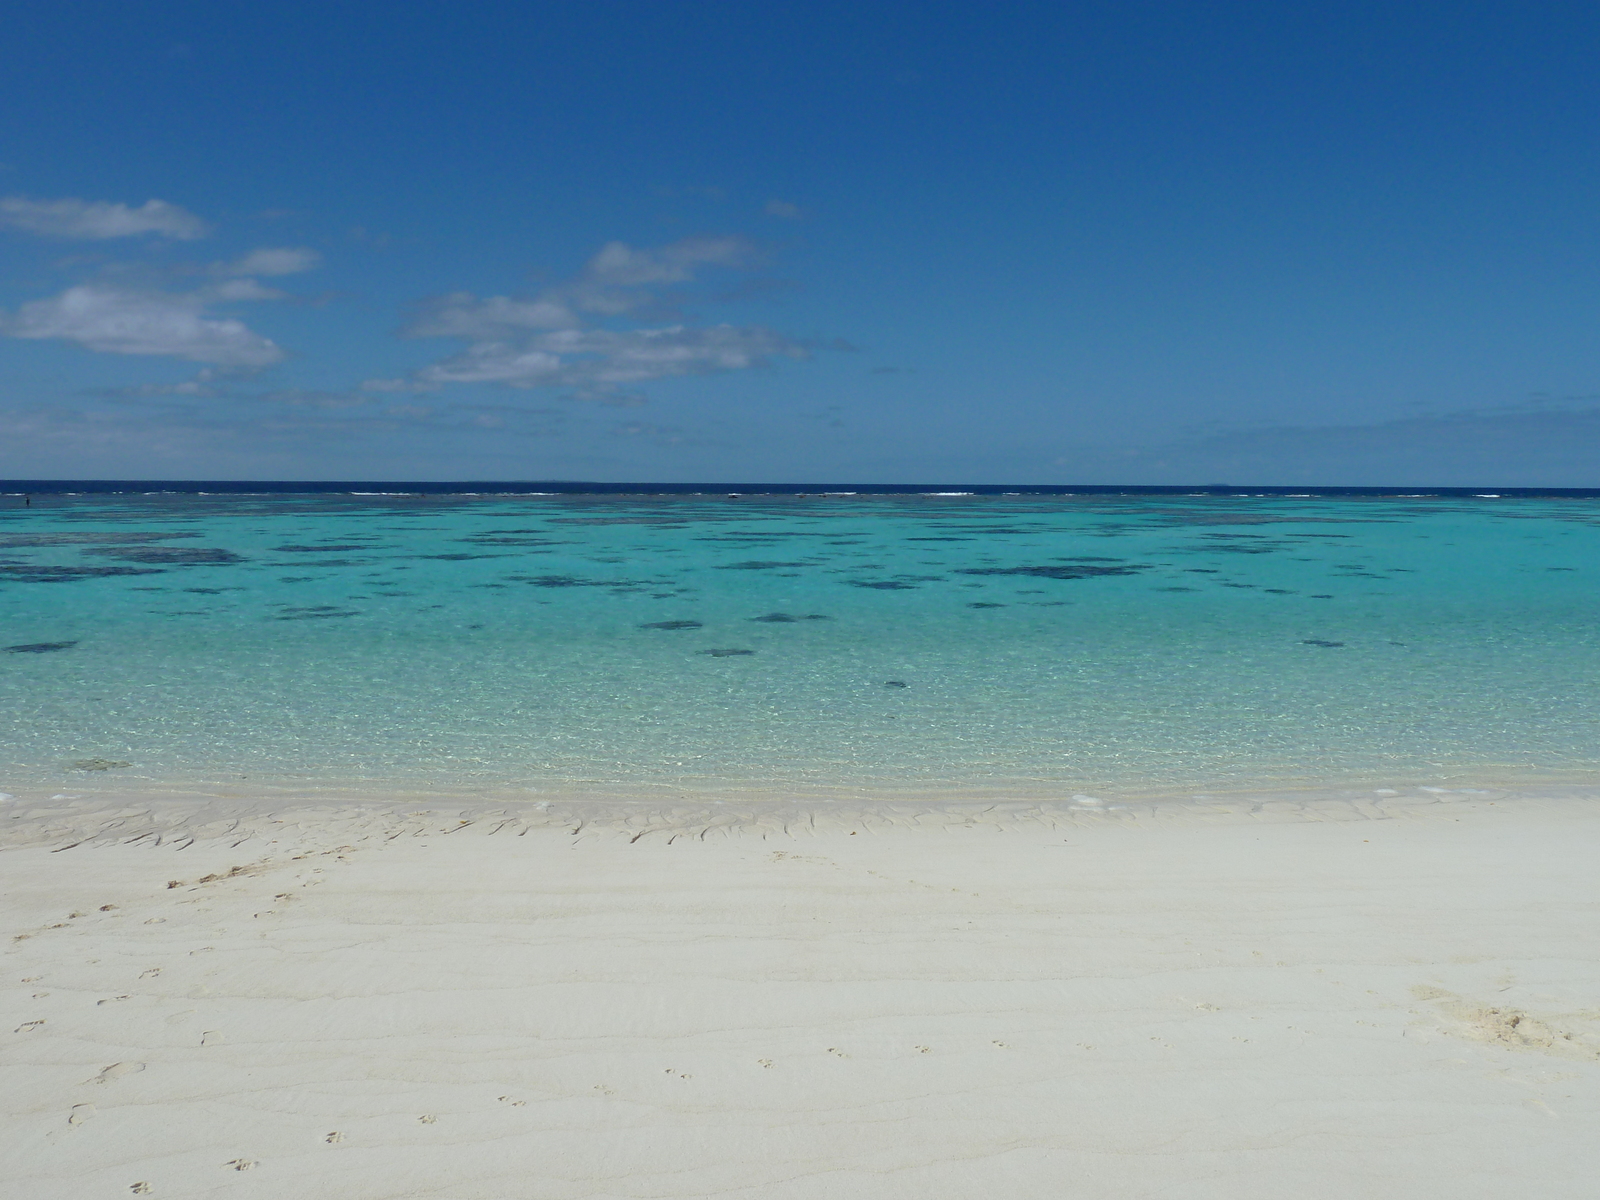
x=1033, y=644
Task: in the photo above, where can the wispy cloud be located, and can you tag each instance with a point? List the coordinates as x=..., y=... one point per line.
x=287, y=435
x=606, y=358
x=784, y=210
x=556, y=338
x=286, y=261
x=95, y=220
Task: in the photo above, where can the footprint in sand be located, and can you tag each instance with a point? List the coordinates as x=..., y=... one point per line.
x=334, y=1138
x=80, y=1113
x=140, y=1189
x=427, y=1119
x=116, y=1071
x=239, y=1164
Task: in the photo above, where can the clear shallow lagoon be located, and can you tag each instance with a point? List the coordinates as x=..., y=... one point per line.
x=1028, y=645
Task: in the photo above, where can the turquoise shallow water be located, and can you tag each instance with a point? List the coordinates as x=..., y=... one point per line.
x=1040, y=645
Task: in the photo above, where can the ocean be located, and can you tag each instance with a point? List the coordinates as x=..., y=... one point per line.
x=1034, y=644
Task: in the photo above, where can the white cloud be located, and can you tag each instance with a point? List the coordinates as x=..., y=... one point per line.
x=287, y=261
x=782, y=208
x=99, y=219
x=115, y=321
x=553, y=339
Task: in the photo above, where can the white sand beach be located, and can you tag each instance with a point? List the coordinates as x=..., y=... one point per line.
x=1397, y=997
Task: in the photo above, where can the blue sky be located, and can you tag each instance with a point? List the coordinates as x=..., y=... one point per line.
x=870, y=242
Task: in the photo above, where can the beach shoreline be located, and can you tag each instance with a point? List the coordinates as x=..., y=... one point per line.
x=1322, y=999
x=104, y=814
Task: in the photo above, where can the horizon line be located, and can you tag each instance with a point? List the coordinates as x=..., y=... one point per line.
x=37, y=487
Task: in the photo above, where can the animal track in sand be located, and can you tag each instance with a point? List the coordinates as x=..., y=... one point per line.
x=80, y=1113
x=140, y=1189
x=836, y=1052
x=427, y=1119
x=239, y=1164
x=334, y=1138
x=513, y=1103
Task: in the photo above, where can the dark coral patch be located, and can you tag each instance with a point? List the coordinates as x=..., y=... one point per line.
x=671, y=625
x=1070, y=571
x=19, y=540
x=40, y=647
x=170, y=555
x=25, y=573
